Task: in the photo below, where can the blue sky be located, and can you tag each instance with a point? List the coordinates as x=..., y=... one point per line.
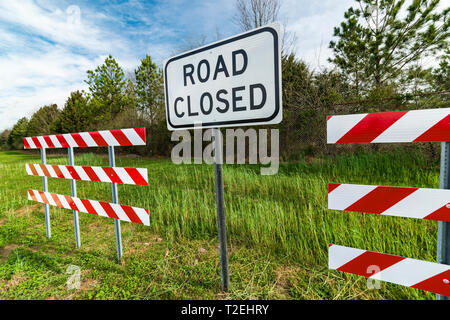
x=47, y=46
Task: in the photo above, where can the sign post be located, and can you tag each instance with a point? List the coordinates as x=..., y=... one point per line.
x=229, y=83
x=443, y=245
x=115, y=199
x=73, y=187
x=221, y=225
x=48, y=229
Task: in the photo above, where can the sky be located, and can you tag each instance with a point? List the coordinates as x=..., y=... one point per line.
x=46, y=46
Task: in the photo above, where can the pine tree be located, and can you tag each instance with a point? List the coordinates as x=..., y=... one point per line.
x=107, y=84
x=149, y=88
x=377, y=42
x=18, y=132
x=41, y=121
x=76, y=116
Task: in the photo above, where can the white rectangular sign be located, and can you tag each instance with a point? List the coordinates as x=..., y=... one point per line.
x=233, y=82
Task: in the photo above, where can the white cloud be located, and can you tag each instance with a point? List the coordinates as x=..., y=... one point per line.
x=42, y=78
x=44, y=55
x=63, y=27
x=313, y=23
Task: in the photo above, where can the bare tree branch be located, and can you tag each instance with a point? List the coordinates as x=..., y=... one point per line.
x=251, y=14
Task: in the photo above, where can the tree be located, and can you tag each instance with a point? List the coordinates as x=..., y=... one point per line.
x=4, y=137
x=107, y=84
x=351, y=60
x=307, y=97
x=197, y=40
x=18, y=132
x=76, y=116
x=376, y=44
x=191, y=41
x=149, y=89
x=441, y=75
x=41, y=121
x=256, y=13
x=251, y=14
x=431, y=86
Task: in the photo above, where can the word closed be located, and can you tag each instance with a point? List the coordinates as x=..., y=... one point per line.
x=233, y=82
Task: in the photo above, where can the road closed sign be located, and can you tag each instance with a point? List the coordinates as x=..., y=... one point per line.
x=233, y=82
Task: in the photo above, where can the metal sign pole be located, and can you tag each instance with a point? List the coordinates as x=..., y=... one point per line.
x=115, y=199
x=48, y=230
x=218, y=157
x=443, y=247
x=73, y=187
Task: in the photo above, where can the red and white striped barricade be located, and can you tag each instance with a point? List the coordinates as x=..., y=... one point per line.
x=105, y=138
x=432, y=125
x=420, y=203
x=111, y=174
x=100, y=208
x=424, y=275
x=136, y=176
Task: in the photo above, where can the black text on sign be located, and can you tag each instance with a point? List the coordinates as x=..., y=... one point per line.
x=234, y=82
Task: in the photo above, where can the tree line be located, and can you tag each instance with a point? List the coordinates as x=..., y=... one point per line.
x=377, y=65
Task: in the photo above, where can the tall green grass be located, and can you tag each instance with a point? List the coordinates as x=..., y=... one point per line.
x=283, y=215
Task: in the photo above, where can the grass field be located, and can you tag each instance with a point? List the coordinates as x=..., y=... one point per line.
x=278, y=231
